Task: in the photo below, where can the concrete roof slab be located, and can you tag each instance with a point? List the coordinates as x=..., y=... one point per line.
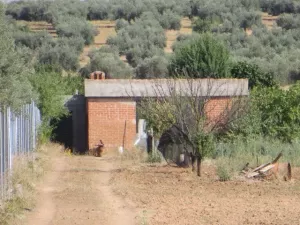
x=124, y=88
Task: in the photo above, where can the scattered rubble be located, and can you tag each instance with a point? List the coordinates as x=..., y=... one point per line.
x=270, y=170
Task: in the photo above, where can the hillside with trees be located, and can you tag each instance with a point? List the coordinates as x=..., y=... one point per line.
x=229, y=40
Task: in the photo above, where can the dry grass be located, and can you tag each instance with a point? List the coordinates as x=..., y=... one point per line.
x=27, y=171
x=38, y=26
x=106, y=28
x=171, y=35
x=268, y=20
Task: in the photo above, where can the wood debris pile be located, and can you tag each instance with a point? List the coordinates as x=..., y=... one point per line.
x=272, y=169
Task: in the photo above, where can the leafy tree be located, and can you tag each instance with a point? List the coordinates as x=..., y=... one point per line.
x=127, y=9
x=142, y=39
x=51, y=94
x=76, y=43
x=276, y=7
x=202, y=25
x=29, y=10
x=253, y=73
x=98, y=9
x=201, y=57
x=272, y=113
x=75, y=27
x=32, y=40
x=15, y=88
x=68, y=8
x=279, y=112
x=107, y=59
x=249, y=19
x=288, y=21
x=155, y=67
x=52, y=88
x=170, y=20
x=121, y=23
x=61, y=56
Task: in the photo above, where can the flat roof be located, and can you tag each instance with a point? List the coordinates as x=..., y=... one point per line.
x=124, y=88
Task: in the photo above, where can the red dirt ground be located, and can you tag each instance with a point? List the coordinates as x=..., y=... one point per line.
x=170, y=195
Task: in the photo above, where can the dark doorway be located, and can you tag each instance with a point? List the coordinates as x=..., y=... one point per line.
x=63, y=131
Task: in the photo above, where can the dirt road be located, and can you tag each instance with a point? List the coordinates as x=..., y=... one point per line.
x=77, y=190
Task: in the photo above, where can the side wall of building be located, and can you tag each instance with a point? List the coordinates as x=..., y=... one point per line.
x=113, y=120
x=218, y=108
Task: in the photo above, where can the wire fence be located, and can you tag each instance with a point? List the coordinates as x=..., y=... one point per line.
x=18, y=136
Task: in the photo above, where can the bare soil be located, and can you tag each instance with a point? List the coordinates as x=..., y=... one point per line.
x=268, y=20
x=77, y=190
x=121, y=190
x=170, y=195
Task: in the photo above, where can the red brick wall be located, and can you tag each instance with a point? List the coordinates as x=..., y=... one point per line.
x=217, y=109
x=107, y=116
x=106, y=121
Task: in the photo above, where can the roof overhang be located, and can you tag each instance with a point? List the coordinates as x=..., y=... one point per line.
x=125, y=88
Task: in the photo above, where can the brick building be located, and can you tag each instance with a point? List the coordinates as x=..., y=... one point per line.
x=111, y=104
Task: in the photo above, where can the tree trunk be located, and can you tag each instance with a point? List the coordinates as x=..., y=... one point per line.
x=193, y=162
x=149, y=143
x=199, y=160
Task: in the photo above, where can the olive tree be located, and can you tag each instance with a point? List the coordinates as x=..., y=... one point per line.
x=155, y=67
x=107, y=59
x=15, y=69
x=76, y=27
x=142, y=39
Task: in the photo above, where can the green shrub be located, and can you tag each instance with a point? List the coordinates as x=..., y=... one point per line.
x=201, y=57
x=274, y=51
x=121, y=23
x=32, y=40
x=63, y=56
x=15, y=69
x=223, y=170
x=155, y=67
x=276, y=7
x=29, y=10
x=253, y=73
x=107, y=59
x=76, y=43
x=98, y=10
x=68, y=8
x=272, y=113
x=75, y=27
x=202, y=25
x=288, y=21
x=249, y=19
x=142, y=39
x=52, y=87
x=154, y=157
x=170, y=20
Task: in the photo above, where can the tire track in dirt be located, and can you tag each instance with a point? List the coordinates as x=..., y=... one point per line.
x=78, y=191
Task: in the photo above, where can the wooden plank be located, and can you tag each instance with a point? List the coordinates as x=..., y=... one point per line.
x=267, y=168
x=260, y=167
x=252, y=174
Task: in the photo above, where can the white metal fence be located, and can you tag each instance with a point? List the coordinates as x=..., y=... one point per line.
x=18, y=135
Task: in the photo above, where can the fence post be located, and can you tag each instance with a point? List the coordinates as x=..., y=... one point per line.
x=9, y=139
x=2, y=153
x=18, y=134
